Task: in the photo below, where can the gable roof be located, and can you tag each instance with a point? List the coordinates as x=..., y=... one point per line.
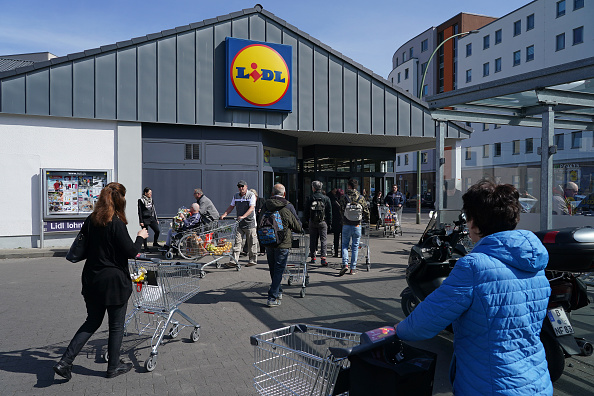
x=177, y=76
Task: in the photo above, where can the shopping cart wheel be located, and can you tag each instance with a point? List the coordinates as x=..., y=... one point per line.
x=302, y=292
x=174, y=331
x=195, y=334
x=150, y=363
x=202, y=274
x=290, y=281
x=169, y=255
x=219, y=265
x=106, y=356
x=307, y=280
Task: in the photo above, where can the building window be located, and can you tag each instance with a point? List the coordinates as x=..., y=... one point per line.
x=577, y=4
x=468, y=75
x=423, y=68
x=424, y=45
x=485, y=69
x=468, y=153
x=560, y=8
x=559, y=141
x=560, y=42
x=405, y=159
x=517, y=28
x=468, y=123
x=192, y=152
x=397, y=61
x=529, y=53
x=398, y=160
x=497, y=65
x=498, y=36
x=424, y=158
x=486, y=151
x=530, y=22
x=497, y=150
x=486, y=42
x=468, y=49
x=485, y=127
x=529, y=145
x=425, y=90
x=576, y=140
x=497, y=126
x=411, y=53
x=517, y=58
x=516, y=147
x=404, y=57
x=406, y=73
x=578, y=35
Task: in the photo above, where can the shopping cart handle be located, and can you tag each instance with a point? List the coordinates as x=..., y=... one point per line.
x=356, y=350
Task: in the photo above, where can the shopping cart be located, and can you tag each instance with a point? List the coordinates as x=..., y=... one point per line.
x=364, y=250
x=308, y=360
x=295, y=360
x=215, y=239
x=296, y=270
x=391, y=221
x=382, y=210
x=158, y=290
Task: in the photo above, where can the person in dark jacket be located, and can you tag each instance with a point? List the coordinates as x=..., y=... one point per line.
x=147, y=215
x=277, y=256
x=106, y=284
x=208, y=211
x=378, y=200
x=318, y=224
x=351, y=229
x=337, y=222
x=496, y=300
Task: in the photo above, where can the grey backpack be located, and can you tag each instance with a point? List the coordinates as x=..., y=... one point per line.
x=353, y=210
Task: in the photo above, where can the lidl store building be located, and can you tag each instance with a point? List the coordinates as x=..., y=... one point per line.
x=241, y=96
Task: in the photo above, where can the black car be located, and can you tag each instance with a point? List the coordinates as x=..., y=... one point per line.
x=426, y=201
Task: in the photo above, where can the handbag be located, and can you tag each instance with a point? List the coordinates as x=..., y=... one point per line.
x=78, y=249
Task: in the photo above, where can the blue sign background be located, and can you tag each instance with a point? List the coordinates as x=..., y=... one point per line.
x=233, y=100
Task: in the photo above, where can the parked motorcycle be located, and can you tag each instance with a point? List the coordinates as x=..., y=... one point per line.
x=571, y=251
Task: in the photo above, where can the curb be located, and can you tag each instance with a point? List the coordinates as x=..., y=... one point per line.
x=32, y=253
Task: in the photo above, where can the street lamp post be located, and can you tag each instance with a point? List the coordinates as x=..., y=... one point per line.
x=421, y=97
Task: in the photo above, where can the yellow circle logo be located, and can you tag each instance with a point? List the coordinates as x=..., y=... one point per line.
x=260, y=75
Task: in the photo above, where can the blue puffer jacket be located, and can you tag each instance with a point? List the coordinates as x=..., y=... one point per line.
x=496, y=299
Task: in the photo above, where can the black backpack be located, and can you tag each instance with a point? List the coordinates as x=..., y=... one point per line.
x=317, y=211
x=271, y=231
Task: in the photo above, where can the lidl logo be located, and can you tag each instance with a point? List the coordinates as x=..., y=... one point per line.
x=259, y=75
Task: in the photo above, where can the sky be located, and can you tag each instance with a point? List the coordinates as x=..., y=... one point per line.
x=366, y=31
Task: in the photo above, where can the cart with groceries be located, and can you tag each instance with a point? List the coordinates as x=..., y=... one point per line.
x=391, y=217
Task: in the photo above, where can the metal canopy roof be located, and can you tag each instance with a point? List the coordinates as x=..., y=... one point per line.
x=520, y=100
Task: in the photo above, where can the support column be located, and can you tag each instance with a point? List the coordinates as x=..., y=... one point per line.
x=439, y=164
x=546, y=168
x=128, y=168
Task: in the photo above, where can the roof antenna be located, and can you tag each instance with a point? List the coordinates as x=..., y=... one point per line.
x=258, y=7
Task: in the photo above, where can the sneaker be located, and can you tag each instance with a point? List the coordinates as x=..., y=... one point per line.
x=323, y=262
x=231, y=265
x=280, y=296
x=343, y=270
x=313, y=260
x=353, y=271
x=272, y=302
x=250, y=264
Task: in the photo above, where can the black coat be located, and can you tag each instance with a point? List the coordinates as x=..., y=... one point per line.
x=105, y=277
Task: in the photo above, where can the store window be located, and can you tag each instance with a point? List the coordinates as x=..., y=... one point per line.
x=529, y=145
x=576, y=140
x=517, y=58
x=560, y=42
x=517, y=28
x=578, y=35
x=530, y=22
x=498, y=36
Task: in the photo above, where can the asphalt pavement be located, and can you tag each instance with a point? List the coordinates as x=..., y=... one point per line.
x=42, y=308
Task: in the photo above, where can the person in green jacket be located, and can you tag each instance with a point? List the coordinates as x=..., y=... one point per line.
x=277, y=255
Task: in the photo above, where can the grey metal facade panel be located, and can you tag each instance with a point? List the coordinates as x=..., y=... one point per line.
x=257, y=27
x=378, y=104
x=126, y=84
x=320, y=85
x=13, y=95
x=231, y=154
x=204, y=76
x=416, y=118
x=335, y=116
x=147, y=82
x=349, y=98
x=240, y=29
x=83, y=88
x=428, y=124
x=274, y=34
x=61, y=90
x=363, y=104
x=167, y=80
x=291, y=120
x=305, y=87
x=186, y=78
x=105, y=83
x=37, y=89
x=391, y=113
x=403, y=116
x=222, y=116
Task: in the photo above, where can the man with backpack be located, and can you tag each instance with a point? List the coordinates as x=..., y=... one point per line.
x=274, y=232
x=318, y=214
x=354, y=210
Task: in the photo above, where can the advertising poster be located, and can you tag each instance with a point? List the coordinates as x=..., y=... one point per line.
x=72, y=193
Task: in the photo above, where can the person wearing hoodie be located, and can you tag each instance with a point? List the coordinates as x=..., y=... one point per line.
x=277, y=255
x=351, y=228
x=496, y=300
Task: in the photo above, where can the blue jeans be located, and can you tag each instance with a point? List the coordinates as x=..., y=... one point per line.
x=350, y=232
x=277, y=261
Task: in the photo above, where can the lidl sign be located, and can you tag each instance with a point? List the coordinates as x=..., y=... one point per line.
x=259, y=75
